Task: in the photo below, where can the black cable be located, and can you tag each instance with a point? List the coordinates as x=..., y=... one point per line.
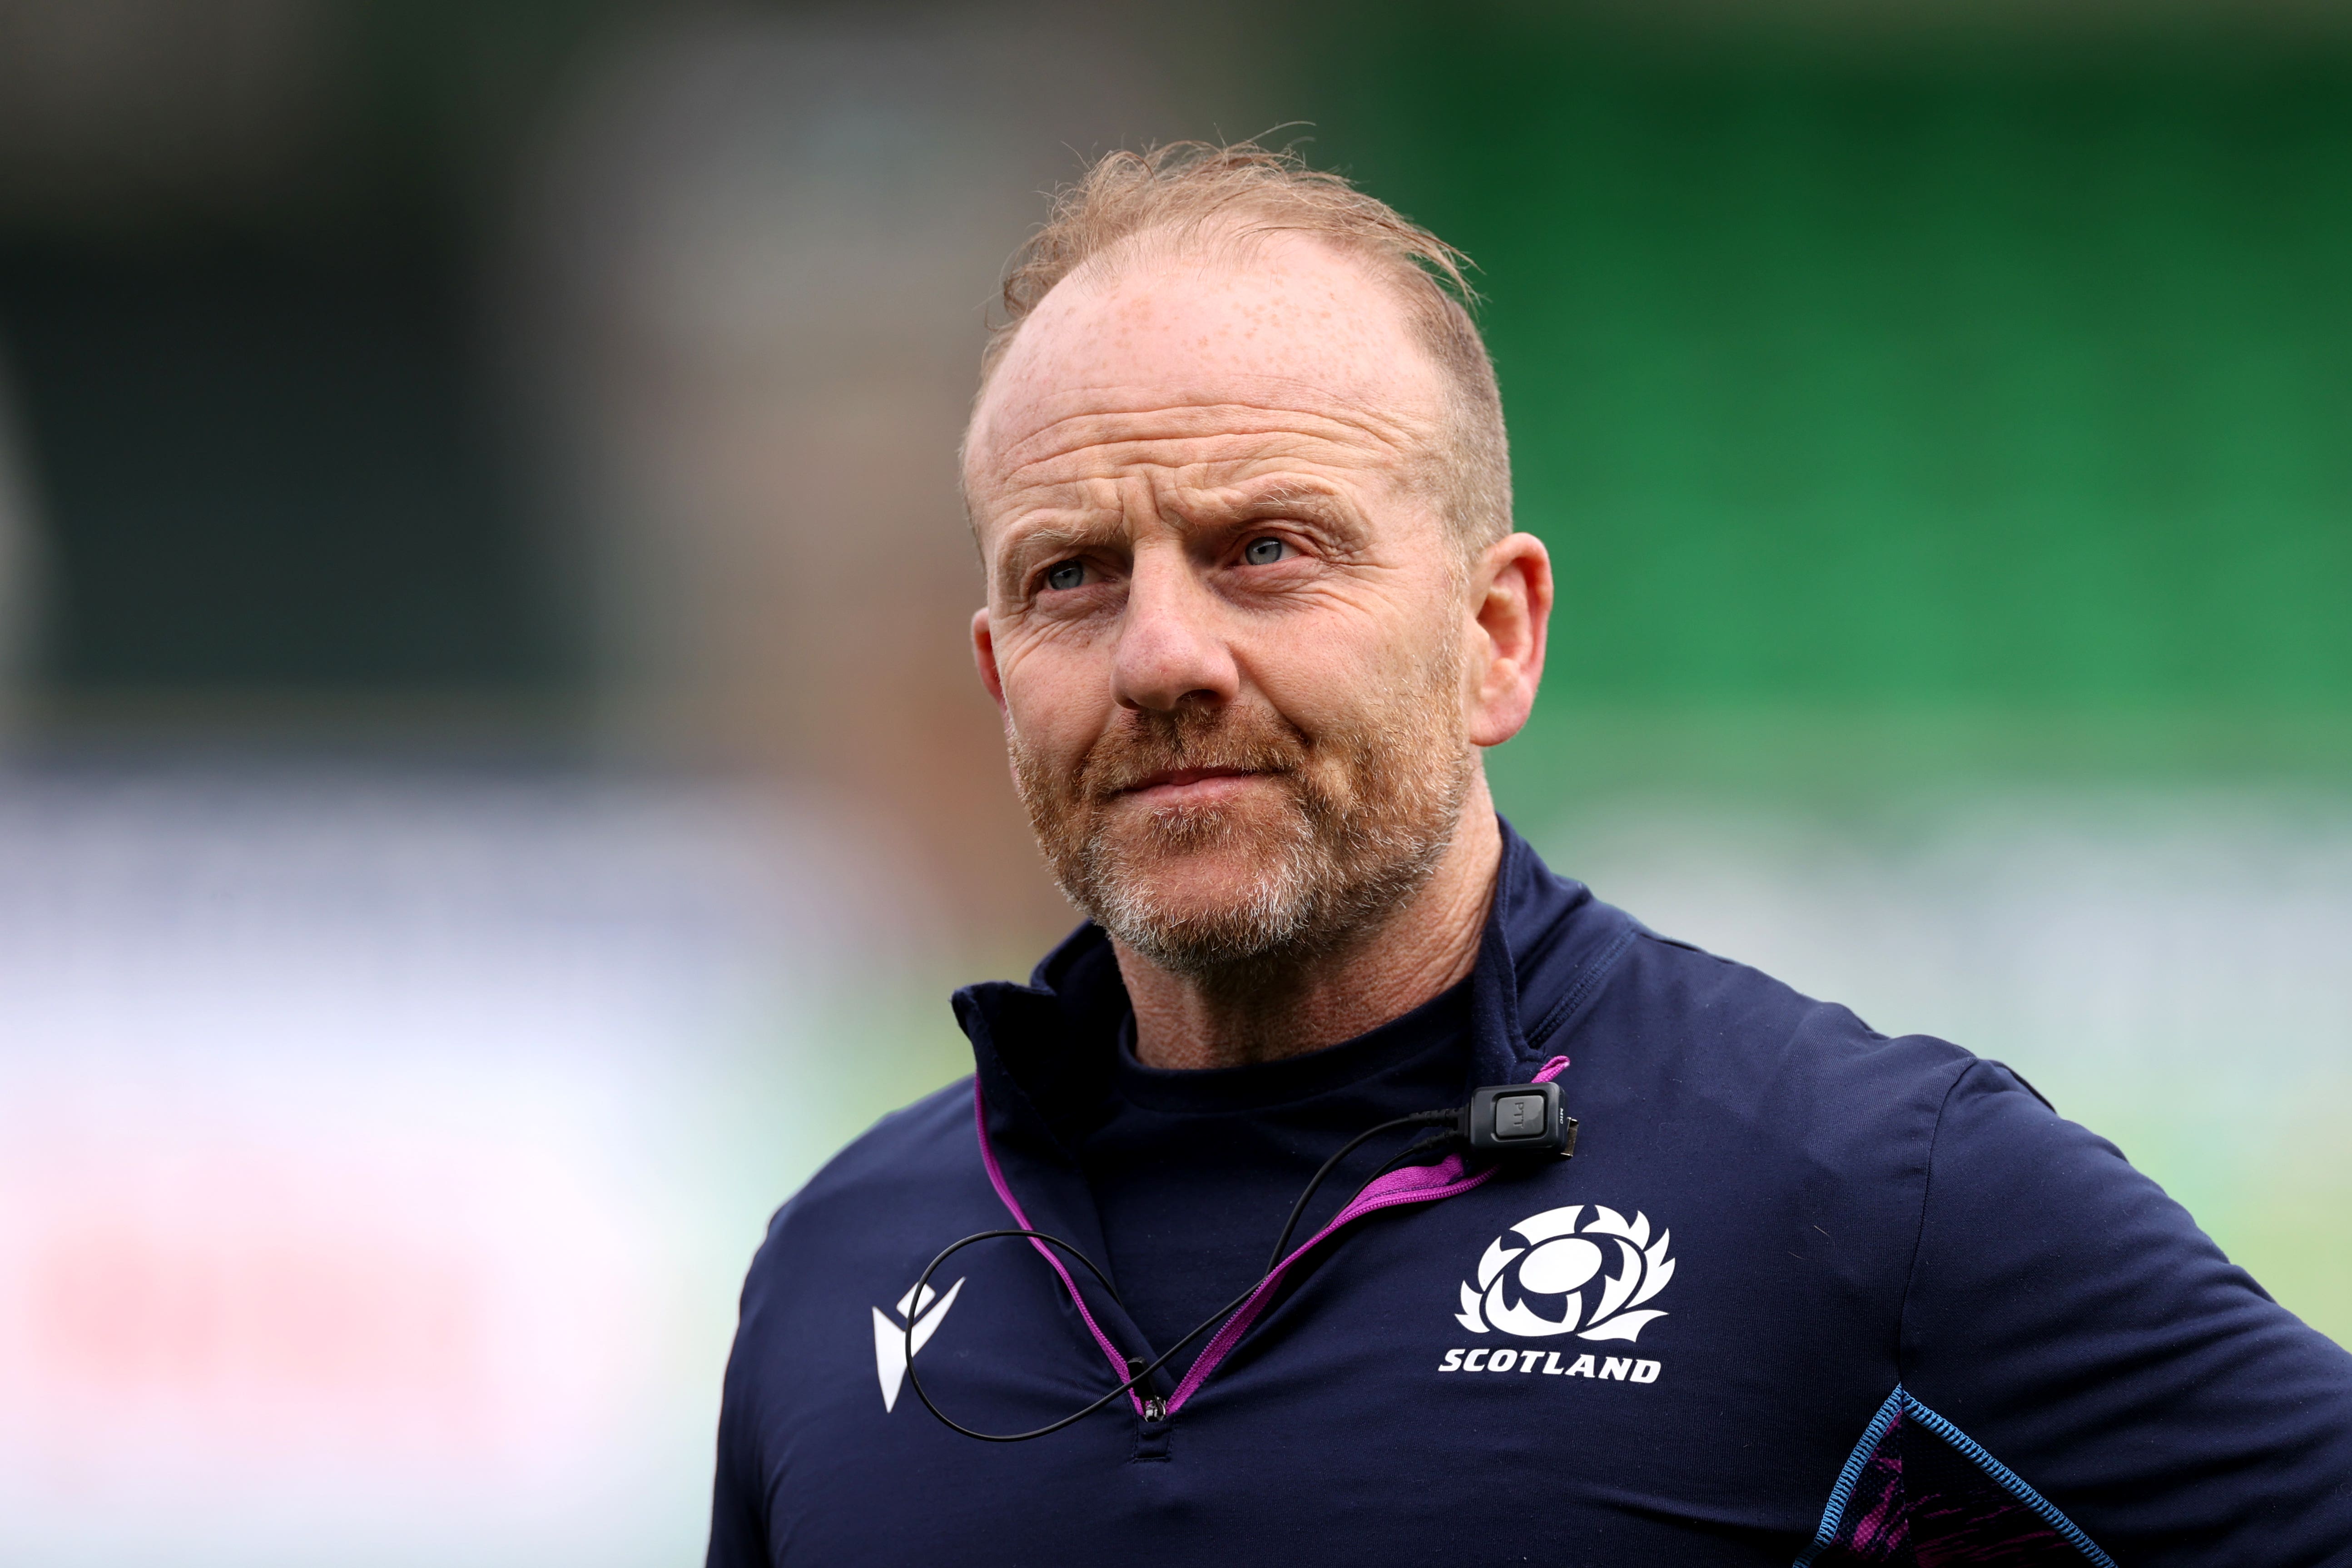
x=1418, y=1119
x=917, y=1383
x=1405, y=1156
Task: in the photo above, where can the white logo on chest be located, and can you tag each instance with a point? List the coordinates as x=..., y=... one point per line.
x=1533, y=1279
x=891, y=1336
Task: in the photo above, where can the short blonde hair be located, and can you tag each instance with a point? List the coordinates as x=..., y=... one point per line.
x=1190, y=189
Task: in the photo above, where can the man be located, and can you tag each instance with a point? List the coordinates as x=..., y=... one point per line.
x=1804, y=1292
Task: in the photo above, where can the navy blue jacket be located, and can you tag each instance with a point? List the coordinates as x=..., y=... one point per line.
x=1805, y=1294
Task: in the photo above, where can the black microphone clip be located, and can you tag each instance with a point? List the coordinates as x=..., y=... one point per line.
x=1516, y=1119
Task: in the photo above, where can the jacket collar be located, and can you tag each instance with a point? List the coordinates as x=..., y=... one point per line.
x=1046, y=1052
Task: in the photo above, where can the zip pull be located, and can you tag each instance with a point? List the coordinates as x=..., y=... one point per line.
x=1154, y=1409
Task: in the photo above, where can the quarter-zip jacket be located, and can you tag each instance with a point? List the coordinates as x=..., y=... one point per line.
x=1806, y=1294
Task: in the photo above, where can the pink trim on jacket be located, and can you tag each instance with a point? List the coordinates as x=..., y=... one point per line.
x=1413, y=1184
x=996, y=1179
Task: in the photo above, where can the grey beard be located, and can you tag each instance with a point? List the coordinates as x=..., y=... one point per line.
x=1335, y=876
x=1373, y=809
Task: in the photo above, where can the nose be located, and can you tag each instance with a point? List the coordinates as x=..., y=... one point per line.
x=1171, y=650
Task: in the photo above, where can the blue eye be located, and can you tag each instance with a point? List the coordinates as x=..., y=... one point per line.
x=1265, y=551
x=1068, y=575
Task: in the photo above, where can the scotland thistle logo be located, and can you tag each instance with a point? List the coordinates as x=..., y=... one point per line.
x=1548, y=1261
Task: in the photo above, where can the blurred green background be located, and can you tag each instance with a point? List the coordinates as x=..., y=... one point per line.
x=1924, y=425
x=1941, y=378
x=1941, y=417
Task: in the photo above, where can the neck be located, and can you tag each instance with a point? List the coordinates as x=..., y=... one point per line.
x=1427, y=945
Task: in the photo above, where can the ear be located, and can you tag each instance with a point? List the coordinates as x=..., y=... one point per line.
x=1510, y=611
x=983, y=654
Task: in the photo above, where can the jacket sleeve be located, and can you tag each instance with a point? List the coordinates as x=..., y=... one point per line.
x=738, y=1535
x=2071, y=1319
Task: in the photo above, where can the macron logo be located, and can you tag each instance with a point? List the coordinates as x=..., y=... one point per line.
x=891, y=1336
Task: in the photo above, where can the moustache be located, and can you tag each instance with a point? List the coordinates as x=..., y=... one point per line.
x=1152, y=745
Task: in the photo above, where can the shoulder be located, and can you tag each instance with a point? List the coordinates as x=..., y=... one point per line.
x=1660, y=1016
x=891, y=1178
x=910, y=1143
x=1782, y=1130
x=856, y=1235
x=1677, y=1018
x=866, y=1223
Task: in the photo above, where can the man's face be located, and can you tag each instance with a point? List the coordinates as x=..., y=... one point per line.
x=1225, y=621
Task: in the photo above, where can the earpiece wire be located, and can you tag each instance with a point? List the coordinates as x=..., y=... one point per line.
x=914, y=1380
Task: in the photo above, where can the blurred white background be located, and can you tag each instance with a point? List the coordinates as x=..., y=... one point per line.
x=379, y=1154
x=492, y=789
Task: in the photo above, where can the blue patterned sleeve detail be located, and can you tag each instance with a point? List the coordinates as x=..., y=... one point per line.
x=1834, y=1516
x=1918, y=1490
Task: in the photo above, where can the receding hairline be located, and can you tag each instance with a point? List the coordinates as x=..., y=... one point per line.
x=1204, y=197
x=1234, y=246
x=1218, y=239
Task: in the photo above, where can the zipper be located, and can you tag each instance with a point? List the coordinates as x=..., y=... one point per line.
x=1153, y=1410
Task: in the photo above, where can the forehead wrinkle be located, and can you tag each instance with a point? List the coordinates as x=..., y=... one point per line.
x=1287, y=489
x=1080, y=513
x=1161, y=461
x=1250, y=496
x=1189, y=503
x=1205, y=421
x=1224, y=471
x=1235, y=483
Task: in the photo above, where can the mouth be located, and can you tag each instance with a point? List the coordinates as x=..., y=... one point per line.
x=1178, y=787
